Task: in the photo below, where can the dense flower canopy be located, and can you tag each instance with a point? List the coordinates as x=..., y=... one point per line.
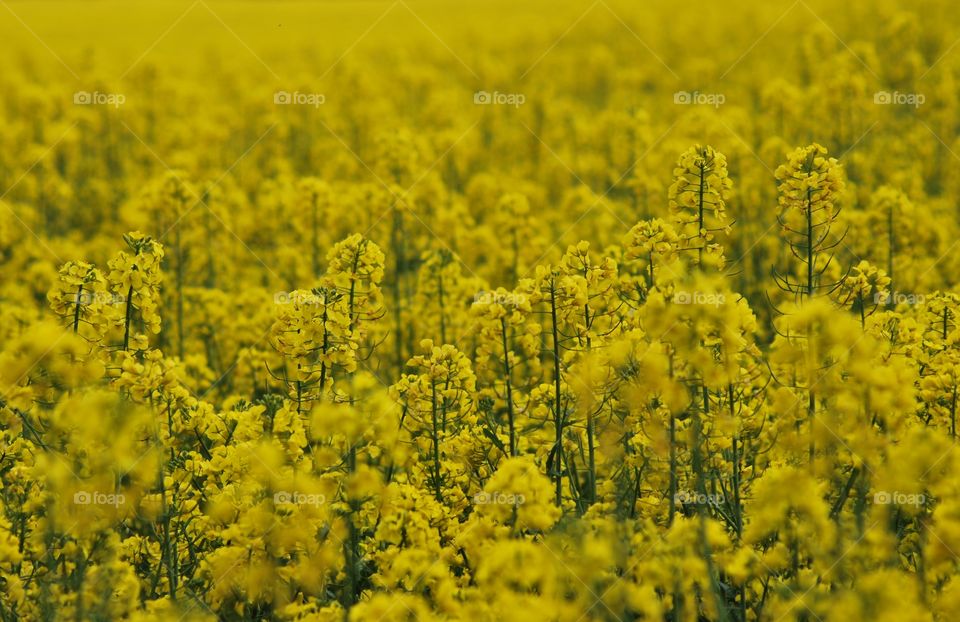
x=503, y=311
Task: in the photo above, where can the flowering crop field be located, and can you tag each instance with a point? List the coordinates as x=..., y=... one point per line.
x=484, y=311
